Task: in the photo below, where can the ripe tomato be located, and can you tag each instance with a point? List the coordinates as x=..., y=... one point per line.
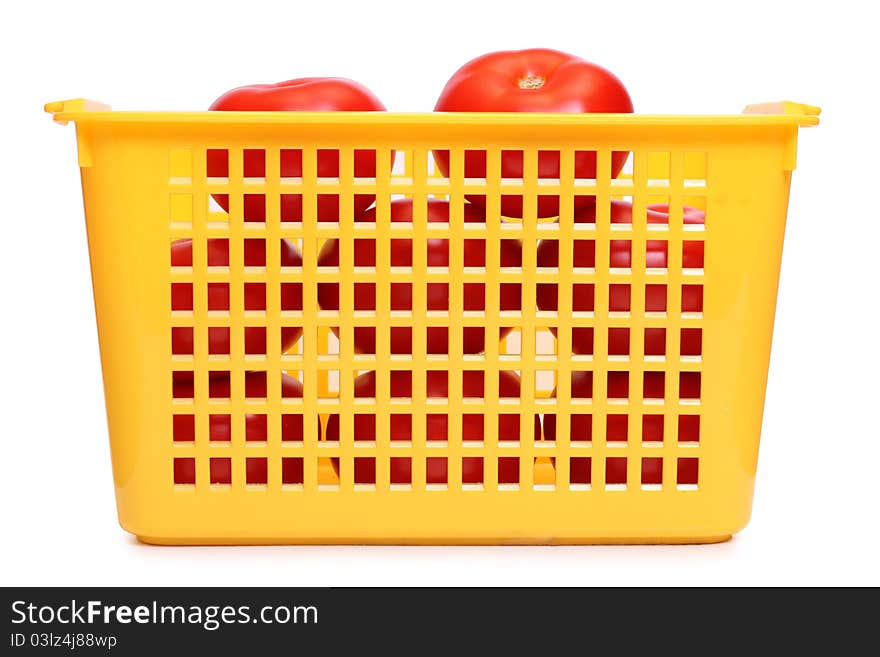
x=536, y=80
x=657, y=256
x=220, y=429
x=656, y=253
x=437, y=293
x=219, y=296
x=583, y=255
x=303, y=94
x=651, y=470
x=620, y=256
x=256, y=427
x=436, y=424
x=581, y=388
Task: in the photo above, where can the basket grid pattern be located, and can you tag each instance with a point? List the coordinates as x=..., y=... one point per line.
x=646, y=439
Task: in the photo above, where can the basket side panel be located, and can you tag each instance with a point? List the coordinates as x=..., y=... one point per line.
x=746, y=220
x=126, y=209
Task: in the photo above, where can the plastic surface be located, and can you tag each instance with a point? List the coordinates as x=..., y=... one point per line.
x=676, y=467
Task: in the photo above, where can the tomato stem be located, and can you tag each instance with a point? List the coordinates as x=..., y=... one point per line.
x=531, y=82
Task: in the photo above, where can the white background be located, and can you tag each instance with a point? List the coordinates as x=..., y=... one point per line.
x=816, y=507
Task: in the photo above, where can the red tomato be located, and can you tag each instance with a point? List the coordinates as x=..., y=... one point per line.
x=581, y=388
x=436, y=424
x=619, y=387
x=657, y=256
x=255, y=388
x=219, y=296
x=303, y=94
x=620, y=256
x=536, y=80
x=656, y=252
x=256, y=428
x=437, y=293
x=583, y=255
x=652, y=470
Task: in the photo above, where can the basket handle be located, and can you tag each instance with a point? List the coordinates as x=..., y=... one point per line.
x=809, y=113
x=59, y=108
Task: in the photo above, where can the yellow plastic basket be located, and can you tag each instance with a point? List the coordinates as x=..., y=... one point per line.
x=145, y=186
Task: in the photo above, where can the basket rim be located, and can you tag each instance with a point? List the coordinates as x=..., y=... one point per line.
x=775, y=114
